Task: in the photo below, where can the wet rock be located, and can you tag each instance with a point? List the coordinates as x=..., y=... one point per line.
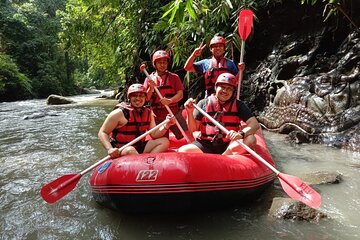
x=91, y=90
x=58, y=100
x=305, y=87
x=319, y=114
x=298, y=137
x=34, y=116
x=104, y=96
x=322, y=177
x=108, y=95
x=38, y=115
x=289, y=209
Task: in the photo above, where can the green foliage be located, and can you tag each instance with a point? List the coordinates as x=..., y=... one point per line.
x=28, y=32
x=13, y=84
x=58, y=44
x=111, y=35
x=334, y=7
x=178, y=8
x=187, y=23
x=313, y=2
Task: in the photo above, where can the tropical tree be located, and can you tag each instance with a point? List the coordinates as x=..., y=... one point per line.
x=336, y=7
x=13, y=84
x=58, y=44
x=108, y=38
x=28, y=32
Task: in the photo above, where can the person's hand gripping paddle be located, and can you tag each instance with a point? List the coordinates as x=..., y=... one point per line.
x=143, y=69
x=58, y=188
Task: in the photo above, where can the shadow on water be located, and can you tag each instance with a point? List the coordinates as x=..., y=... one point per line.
x=248, y=221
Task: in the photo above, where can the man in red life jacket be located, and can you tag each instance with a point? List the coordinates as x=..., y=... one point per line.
x=212, y=67
x=229, y=112
x=128, y=121
x=172, y=90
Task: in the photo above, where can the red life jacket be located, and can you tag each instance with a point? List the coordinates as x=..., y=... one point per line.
x=138, y=123
x=215, y=69
x=226, y=115
x=167, y=91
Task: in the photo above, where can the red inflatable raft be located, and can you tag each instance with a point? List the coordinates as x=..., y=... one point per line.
x=172, y=181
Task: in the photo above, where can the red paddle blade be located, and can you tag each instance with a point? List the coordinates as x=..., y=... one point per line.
x=245, y=23
x=299, y=190
x=59, y=187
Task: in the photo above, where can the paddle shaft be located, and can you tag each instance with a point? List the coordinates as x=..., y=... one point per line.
x=292, y=185
x=241, y=71
x=246, y=147
x=125, y=146
x=58, y=188
x=166, y=106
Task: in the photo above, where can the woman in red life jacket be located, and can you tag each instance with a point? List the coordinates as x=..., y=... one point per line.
x=127, y=121
x=212, y=67
x=228, y=111
x=171, y=88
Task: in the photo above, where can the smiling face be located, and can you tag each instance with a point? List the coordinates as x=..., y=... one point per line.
x=137, y=100
x=224, y=92
x=217, y=49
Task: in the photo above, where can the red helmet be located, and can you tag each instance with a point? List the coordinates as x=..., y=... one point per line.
x=226, y=78
x=216, y=40
x=135, y=88
x=159, y=54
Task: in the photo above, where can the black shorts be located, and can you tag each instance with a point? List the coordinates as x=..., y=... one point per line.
x=140, y=146
x=216, y=147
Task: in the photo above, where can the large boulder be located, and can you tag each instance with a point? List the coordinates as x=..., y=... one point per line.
x=305, y=81
x=323, y=177
x=287, y=208
x=91, y=90
x=58, y=100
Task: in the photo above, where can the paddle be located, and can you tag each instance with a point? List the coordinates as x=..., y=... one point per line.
x=61, y=186
x=143, y=68
x=245, y=25
x=292, y=185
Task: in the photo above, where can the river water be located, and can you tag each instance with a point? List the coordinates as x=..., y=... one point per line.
x=55, y=140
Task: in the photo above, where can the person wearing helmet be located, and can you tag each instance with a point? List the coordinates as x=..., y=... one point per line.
x=130, y=120
x=172, y=90
x=212, y=67
x=229, y=112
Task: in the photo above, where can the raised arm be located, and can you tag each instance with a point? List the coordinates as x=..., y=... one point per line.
x=196, y=53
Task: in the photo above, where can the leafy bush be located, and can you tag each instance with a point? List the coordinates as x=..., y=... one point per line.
x=13, y=84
